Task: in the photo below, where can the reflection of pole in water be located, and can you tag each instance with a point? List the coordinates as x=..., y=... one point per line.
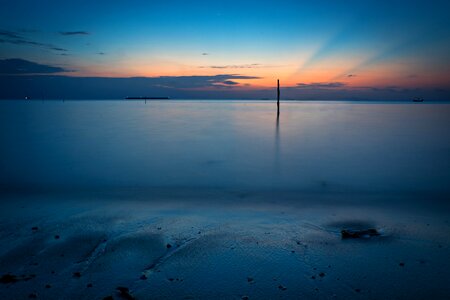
x=277, y=147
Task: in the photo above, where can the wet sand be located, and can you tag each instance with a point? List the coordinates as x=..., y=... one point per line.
x=223, y=244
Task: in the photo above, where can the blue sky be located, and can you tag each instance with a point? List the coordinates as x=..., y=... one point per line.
x=360, y=44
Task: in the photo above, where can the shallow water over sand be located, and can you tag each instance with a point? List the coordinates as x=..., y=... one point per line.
x=313, y=147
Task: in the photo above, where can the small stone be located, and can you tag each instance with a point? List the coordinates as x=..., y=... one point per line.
x=108, y=298
x=245, y=298
x=171, y=279
x=143, y=277
x=89, y=285
x=123, y=289
x=47, y=286
x=322, y=274
x=32, y=296
x=356, y=234
x=402, y=264
x=250, y=279
x=283, y=288
x=56, y=237
x=76, y=274
x=313, y=277
x=35, y=228
x=168, y=246
x=357, y=290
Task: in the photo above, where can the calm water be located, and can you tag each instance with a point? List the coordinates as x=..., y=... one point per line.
x=313, y=147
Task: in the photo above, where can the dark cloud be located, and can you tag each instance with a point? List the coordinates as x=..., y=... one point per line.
x=192, y=87
x=321, y=85
x=193, y=82
x=16, y=66
x=59, y=49
x=15, y=38
x=101, y=53
x=74, y=33
x=9, y=34
x=351, y=75
x=204, y=53
x=70, y=87
x=230, y=82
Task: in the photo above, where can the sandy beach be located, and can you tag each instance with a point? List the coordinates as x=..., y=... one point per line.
x=222, y=244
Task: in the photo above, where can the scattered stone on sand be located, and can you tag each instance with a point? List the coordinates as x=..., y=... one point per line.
x=9, y=278
x=281, y=287
x=358, y=290
x=250, y=279
x=159, y=228
x=356, y=234
x=32, y=296
x=322, y=274
x=143, y=277
x=35, y=228
x=171, y=279
x=47, y=286
x=57, y=237
x=124, y=292
x=76, y=274
x=245, y=298
x=168, y=246
x=402, y=264
x=89, y=285
x=108, y=298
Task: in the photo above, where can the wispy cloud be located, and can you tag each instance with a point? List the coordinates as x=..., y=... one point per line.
x=11, y=37
x=244, y=66
x=74, y=33
x=17, y=66
x=321, y=85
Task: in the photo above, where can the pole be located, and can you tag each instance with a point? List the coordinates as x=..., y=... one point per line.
x=278, y=97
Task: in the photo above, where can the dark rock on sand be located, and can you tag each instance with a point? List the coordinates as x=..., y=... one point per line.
x=322, y=274
x=143, y=277
x=108, y=298
x=76, y=274
x=356, y=234
x=47, y=286
x=402, y=264
x=89, y=285
x=283, y=288
x=35, y=228
x=32, y=296
x=124, y=292
x=250, y=279
x=245, y=298
x=57, y=237
x=9, y=278
x=169, y=246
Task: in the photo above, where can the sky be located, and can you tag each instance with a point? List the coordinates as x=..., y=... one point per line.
x=226, y=49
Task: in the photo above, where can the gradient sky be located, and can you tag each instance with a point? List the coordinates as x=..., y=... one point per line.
x=328, y=46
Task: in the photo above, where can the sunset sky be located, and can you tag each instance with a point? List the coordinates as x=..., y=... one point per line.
x=312, y=46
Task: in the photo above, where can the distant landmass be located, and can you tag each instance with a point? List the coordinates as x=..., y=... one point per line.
x=147, y=98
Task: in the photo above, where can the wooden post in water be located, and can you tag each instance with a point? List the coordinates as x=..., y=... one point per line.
x=278, y=97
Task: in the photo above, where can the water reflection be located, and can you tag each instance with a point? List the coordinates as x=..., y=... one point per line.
x=355, y=147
